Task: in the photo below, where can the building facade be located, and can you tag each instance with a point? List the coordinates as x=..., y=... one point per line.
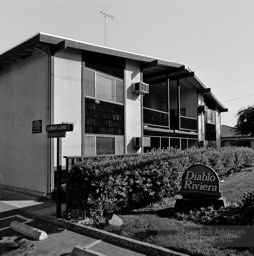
x=119, y=103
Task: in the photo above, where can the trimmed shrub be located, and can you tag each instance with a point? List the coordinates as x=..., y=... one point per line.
x=99, y=186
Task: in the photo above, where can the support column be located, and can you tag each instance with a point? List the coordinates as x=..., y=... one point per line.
x=178, y=105
x=142, y=117
x=168, y=101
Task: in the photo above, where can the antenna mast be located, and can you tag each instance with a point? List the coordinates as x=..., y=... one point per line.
x=106, y=15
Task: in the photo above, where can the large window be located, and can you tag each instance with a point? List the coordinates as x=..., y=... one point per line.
x=105, y=145
x=102, y=86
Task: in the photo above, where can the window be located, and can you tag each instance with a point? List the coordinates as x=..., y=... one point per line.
x=89, y=83
x=102, y=86
x=105, y=145
x=119, y=91
x=105, y=87
x=175, y=143
x=164, y=143
x=210, y=116
x=184, y=144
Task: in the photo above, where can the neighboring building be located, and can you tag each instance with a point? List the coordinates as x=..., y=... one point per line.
x=104, y=92
x=229, y=138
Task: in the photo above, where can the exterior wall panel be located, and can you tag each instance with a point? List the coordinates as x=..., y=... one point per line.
x=67, y=100
x=23, y=99
x=133, y=120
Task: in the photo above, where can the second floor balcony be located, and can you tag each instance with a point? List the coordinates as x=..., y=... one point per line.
x=163, y=119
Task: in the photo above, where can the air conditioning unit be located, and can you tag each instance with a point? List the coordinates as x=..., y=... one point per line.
x=137, y=142
x=141, y=88
x=202, y=109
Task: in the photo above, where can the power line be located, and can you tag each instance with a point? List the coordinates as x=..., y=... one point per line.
x=239, y=98
x=106, y=16
x=230, y=60
x=236, y=82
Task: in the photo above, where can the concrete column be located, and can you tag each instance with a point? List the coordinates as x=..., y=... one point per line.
x=133, y=107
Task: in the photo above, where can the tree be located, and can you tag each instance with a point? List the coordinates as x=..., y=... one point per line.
x=245, y=122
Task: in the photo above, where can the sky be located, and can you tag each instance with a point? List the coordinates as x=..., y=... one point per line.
x=214, y=38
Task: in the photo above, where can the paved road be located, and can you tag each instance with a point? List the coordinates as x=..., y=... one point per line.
x=60, y=242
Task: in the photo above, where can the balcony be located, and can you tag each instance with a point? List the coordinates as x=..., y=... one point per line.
x=161, y=119
x=187, y=123
x=156, y=117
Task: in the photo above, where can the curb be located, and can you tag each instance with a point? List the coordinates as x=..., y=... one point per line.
x=128, y=243
x=29, y=231
x=79, y=251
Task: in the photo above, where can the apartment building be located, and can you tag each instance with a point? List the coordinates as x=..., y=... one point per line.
x=119, y=103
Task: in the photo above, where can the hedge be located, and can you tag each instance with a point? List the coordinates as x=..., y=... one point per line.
x=101, y=185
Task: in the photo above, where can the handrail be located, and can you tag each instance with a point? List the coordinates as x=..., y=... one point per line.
x=155, y=110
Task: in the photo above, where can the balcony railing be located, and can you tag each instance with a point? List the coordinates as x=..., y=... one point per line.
x=187, y=123
x=156, y=117
x=161, y=119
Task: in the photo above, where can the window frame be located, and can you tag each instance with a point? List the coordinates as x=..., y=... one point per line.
x=95, y=136
x=95, y=87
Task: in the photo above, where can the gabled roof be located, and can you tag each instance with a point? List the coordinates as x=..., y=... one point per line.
x=149, y=65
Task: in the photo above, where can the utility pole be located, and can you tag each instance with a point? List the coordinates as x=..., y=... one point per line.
x=106, y=15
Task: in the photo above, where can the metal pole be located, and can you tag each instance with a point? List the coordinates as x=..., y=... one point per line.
x=105, y=17
x=59, y=178
x=178, y=105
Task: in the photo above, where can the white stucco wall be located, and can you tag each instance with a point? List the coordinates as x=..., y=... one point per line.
x=218, y=127
x=67, y=100
x=201, y=119
x=132, y=106
x=23, y=98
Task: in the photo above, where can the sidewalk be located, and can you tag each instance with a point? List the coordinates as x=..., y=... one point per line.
x=21, y=207
x=24, y=208
x=63, y=236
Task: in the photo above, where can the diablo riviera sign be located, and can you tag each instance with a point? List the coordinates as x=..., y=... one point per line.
x=200, y=181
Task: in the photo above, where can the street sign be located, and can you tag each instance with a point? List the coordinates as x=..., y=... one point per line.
x=37, y=126
x=64, y=127
x=57, y=134
x=58, y=131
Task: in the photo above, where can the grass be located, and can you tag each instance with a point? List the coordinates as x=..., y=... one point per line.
x=151, y=227
x=235, y=186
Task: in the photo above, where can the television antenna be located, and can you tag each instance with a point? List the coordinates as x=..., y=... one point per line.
x=106, y=16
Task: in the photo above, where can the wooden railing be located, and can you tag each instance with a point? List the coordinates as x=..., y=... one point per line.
x=187, y=123
x=155, y=117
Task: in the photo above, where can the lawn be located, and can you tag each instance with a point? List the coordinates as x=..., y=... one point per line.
x=233, y=188
x=154, y=227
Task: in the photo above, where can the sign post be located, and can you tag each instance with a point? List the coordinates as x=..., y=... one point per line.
x=59, y=177
x=59, y=131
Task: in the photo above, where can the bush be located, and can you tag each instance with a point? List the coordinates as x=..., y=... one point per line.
x=241, y=214
x=99, y=186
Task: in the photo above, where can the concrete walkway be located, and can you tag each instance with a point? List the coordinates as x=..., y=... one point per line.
x=24, y=208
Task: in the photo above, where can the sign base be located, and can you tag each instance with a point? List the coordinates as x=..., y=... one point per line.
x=197, y=203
